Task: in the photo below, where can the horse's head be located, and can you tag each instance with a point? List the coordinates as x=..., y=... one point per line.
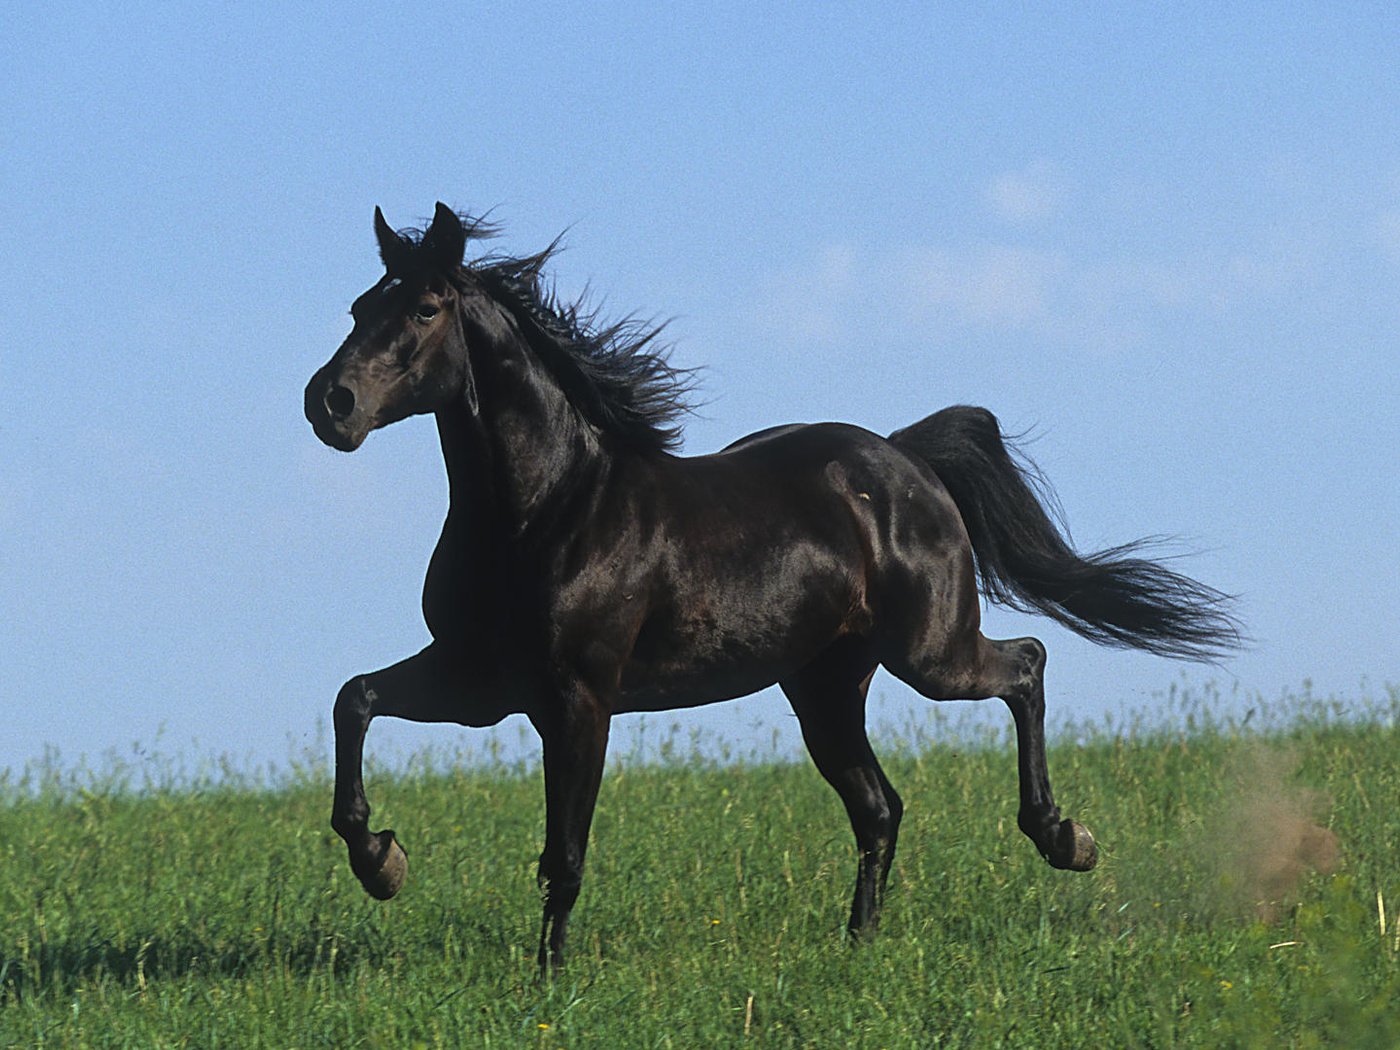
x=407, y=352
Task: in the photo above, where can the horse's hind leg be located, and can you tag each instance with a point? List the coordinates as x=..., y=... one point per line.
x=828, y=697
x=1064, y=843
x=1015, y=671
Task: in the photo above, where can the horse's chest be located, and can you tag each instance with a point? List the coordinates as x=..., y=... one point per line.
x=458, y=591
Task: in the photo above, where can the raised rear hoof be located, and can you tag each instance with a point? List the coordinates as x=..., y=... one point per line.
x=1072, y=847
x=382, y=867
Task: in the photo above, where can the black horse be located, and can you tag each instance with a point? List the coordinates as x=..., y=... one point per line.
x=585, y=569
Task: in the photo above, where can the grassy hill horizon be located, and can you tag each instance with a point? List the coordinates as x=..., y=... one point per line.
x=1246, y=896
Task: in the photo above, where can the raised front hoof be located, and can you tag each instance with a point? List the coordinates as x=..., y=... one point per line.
x=382, y=867
x=1072, y=847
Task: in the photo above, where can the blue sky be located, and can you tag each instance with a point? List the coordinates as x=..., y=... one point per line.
x=1167, y=242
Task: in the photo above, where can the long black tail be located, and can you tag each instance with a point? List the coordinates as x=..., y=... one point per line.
x=1114, y=597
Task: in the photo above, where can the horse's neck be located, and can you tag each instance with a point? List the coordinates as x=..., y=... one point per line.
x=526, y=453
x=466, y=455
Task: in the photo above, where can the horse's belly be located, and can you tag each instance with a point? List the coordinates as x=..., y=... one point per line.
x=672, y=693
x=693, y=688
x=693, y=663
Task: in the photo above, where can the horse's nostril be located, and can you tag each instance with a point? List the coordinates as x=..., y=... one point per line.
x=340, y=402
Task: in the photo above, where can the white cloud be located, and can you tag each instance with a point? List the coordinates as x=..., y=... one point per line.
x=843, y=290
x=1025, y=197
x=995, y=285
x=846, y=292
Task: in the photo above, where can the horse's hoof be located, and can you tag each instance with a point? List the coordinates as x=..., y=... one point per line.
x=383, y=868
x=1073, y=848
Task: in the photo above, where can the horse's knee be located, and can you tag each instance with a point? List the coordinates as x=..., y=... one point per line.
x=354, y=703
x=886, y=814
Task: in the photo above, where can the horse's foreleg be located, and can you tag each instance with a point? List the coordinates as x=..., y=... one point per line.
x=575, y=743
x=423, y=688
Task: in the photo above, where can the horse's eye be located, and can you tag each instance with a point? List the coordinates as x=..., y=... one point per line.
x=425, y=312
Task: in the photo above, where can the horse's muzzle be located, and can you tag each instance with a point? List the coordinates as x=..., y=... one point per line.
x=332, y=412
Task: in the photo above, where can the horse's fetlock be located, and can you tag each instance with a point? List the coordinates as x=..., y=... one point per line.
x=351, y=821
x=1039, y=825
x=560, y=888
x=349, y=830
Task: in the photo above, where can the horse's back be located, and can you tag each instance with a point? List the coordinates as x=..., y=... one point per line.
x=852, y=460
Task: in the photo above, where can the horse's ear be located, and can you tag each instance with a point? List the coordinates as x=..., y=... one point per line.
x=446, y=239
x=392, y=247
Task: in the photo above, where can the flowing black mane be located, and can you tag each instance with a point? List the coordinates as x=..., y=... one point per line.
x=617, y=374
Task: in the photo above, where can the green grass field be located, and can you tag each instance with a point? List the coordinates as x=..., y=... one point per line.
x=213, y=916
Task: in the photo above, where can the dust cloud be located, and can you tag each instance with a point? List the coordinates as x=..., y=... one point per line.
x=1246, y=837
x=1268, y=835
